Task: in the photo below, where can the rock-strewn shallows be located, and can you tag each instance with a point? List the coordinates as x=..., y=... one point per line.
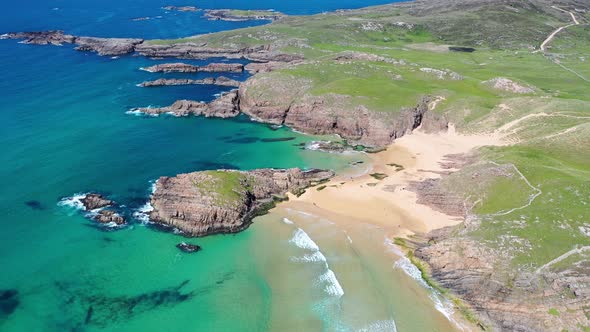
x=187, y=68
x=221, y=81
x=226, y=106
x=242, y=15
x=224, y=201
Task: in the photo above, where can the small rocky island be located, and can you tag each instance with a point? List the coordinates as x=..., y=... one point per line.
x=181, y=8
x=223, y=201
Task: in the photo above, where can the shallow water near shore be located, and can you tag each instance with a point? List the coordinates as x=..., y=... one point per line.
x=65, y=131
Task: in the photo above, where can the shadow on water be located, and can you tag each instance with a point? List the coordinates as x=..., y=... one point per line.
x=9, y=301
x=90, y=307
x=35, y=205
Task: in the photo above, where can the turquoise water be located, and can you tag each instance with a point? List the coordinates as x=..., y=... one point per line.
x=65, y=131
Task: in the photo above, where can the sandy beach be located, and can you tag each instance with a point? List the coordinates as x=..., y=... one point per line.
x=387, y=203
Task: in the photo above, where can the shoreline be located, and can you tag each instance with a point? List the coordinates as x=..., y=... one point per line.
x=388, y=204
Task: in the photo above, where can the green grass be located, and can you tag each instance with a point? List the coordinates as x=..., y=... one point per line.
x=228, y=186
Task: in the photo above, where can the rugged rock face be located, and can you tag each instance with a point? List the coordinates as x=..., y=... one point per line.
x=109, y=216
x=103, y=46
x=517, y=301
x=226, y=106
x=211, y=202
x=95, y=201
x=186, y=68
x=221, y=81
x=231, y=15
x=326, y=114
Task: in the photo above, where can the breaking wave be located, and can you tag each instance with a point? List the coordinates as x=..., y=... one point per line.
x=328, y=279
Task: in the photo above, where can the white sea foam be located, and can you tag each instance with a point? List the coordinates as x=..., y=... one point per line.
x=332, y=287
x=380, y=326
x=328, y=279
x=303, y=241
x=315, y=257
x=287, y=221
x=74, y=202
x=143, y=213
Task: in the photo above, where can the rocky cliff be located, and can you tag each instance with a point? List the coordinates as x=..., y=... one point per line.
x=287, y=102
x=212, y=202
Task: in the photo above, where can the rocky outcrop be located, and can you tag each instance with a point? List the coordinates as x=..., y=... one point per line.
x=226, y=106
x=107, y=46
x=221, y=81
x=507, y=85
x=181, y=8
x=187, y=68
x=212, y=202
x=265, y=67
x=102, y=46
x=108, y=217
x=242, y=15
x=95, y=201
x=193, y=50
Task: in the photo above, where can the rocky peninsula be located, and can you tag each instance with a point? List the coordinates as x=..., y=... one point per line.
x=220, y=81
x=226, y=106
x=242, y=15
x=187, y=68
x=224, y=201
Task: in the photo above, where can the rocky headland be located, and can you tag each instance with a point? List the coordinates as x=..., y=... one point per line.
x=226, y=106
x=223, y=201
x=187, y=68
x=242, y=15
x=220, y=81
x=102, y=46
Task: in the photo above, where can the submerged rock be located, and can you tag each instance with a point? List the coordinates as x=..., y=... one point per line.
x=95, y=201
x=9, y=301
x=188, y=248
x=212, y=202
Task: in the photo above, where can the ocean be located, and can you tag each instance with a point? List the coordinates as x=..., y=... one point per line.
x=65, y=131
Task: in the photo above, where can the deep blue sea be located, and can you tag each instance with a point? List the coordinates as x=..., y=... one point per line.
x=64, y=130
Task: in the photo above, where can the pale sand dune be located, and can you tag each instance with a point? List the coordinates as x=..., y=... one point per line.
x=388, y=204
